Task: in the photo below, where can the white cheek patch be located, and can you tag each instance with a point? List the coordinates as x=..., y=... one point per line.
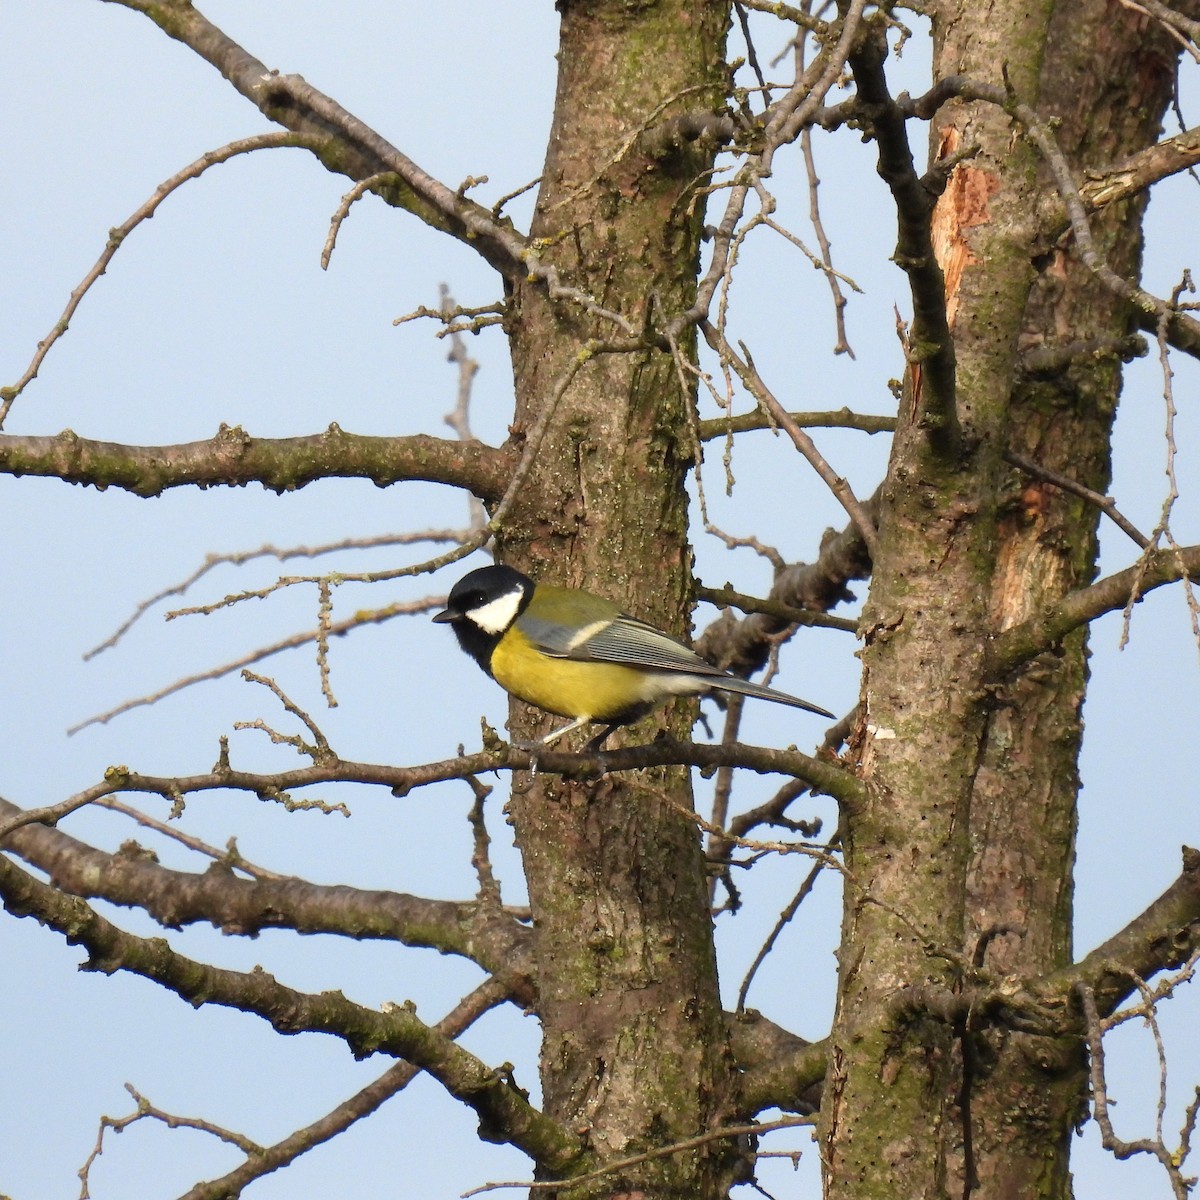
x=497, y=615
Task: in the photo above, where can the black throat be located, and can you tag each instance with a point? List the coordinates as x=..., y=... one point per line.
x=476, y=642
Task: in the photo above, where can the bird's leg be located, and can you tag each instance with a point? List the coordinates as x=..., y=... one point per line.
x=595, y=744
x=569, y=727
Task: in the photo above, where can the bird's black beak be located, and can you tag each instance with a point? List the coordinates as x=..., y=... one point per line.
x=444, y=617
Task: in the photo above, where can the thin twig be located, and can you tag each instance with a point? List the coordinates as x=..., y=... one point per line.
x=334, y=629
x=723, y=789
x=240, y=557
x=785, y=918
x=146, y=1110
x=117, y=235
x=467, y=546
x=814, y=215
x=1106, y=504
x=1121, y=1149
x=621, y=1164
x=230, y=856
x=728, y=598
x=266, y=1159
x=748, y=373
x=343, y=210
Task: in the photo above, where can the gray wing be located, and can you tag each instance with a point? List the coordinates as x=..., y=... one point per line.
x=626, y=640
x=623, y=639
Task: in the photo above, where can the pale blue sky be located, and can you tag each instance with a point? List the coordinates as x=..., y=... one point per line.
x=217, y=311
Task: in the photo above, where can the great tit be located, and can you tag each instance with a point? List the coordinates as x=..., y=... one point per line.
x=578, y=655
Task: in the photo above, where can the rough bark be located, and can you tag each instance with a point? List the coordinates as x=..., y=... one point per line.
x=967, y=846
x=616, y=878
x=1106, y=79
x=958, y=835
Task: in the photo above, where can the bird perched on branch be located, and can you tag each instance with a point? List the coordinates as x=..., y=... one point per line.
x=577, y=655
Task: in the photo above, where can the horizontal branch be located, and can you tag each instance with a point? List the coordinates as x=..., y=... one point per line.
x=504, y=1111
x=233, y=459
x=1161, y=938
x=1135, y=174
x=1025, y=641
x=842, y=418
x=246, y=906
x=728, y=598
x=823, y=777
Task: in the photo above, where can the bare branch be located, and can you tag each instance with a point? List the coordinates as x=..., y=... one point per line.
x=842, y=418
x=347, y=145
x=246, y=907
x=1135, y=174
x=145, y=1110
x=785, y=918
x=1121, y=1149
x=1022, y=642
x=343, y=211
x=621, y=1164
x=728, y=598
x=234, y=458
x=356, y=620
x=263, y=1160
x=329, y=628
x=1164, y=936
x=1106, y=504
x=783, y=122
x=1051, y=358
x=238, y=558
x=117, y=236
x=500, y=1104
x=231, y=857
x=793, y=111
x=744, y=366
x=679, y=131
x=789, y=12
x=742, y=646
x=475, y=320
x=459, y=417
x=930, y=349
x=825, y=777
x=842, y=345
x=776, y=1069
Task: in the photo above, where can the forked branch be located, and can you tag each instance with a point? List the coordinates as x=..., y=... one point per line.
x=246, y=907
x=504, y=1111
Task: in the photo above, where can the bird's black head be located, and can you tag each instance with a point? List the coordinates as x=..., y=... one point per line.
x=481, y=607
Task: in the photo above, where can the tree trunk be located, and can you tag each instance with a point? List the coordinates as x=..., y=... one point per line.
x=960, y=868
x=634, y=1051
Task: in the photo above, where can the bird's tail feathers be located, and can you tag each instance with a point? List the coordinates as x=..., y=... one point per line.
x=732, y=683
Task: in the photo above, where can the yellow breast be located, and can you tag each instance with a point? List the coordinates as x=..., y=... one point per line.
x=603, y=691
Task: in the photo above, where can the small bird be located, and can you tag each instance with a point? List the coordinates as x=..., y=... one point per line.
x=578, y=655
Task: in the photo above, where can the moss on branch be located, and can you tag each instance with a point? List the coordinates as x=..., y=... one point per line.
x=504, y=1111
x=233, y=458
